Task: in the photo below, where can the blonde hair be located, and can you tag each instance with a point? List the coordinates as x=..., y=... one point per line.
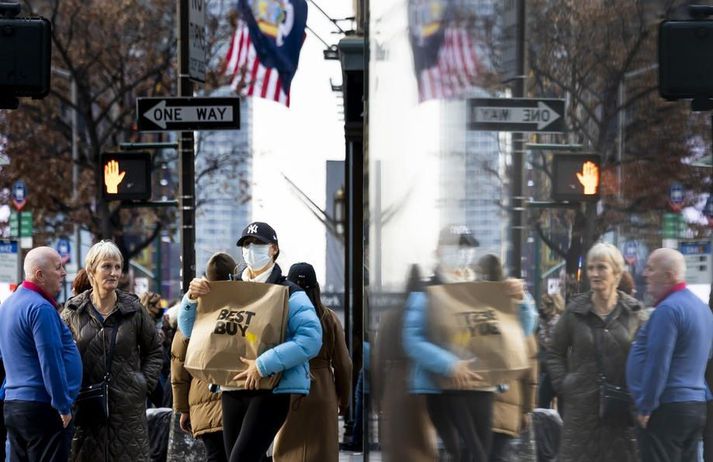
x=101, y=251
x=608, y=253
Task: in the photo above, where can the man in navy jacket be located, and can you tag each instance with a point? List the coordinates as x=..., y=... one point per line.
x=42, y=365
x=667, y=363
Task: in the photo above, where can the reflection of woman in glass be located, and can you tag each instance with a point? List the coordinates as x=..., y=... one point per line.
x=462, y=417
x=598, y=324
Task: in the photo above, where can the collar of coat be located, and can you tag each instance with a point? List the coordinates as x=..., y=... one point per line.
x=582, y=304
x=127, y=302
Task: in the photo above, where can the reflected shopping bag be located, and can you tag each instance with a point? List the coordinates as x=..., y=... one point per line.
x=478, y=320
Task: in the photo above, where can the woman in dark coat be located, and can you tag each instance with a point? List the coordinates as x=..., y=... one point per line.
x=93, y=316
x=311, y=431
x=612, y=317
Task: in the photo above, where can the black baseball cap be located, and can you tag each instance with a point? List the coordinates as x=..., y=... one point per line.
x=457, y=235
x=260, y=231
x=303, y=275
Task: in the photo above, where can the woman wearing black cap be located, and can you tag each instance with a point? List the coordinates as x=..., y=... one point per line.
x=311, y=431
x=252, y=417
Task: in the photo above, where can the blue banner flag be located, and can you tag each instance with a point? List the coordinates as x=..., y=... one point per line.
x=277, y=31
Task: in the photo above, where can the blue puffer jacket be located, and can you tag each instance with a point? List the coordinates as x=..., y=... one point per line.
x=429, y=358
x=303, y=339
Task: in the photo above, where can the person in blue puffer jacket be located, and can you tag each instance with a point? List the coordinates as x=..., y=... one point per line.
x=462, y=418
x=252, y=417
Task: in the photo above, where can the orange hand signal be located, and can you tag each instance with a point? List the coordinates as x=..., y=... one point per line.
x=589, y=178
x=112, y=177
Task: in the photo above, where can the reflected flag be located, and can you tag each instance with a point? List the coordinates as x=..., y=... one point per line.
x=444, y=51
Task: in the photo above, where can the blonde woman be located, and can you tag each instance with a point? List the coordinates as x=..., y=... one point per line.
x=95, y=317
x=592, y=337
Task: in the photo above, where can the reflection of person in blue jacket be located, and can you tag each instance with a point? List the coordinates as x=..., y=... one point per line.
x=252, y=417
x=461, y=417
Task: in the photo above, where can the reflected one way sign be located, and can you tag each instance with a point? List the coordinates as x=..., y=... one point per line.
x=516, y=114
x=174, y=113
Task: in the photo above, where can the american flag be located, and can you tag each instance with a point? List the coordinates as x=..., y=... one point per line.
x=248, y=76
x=456, y=69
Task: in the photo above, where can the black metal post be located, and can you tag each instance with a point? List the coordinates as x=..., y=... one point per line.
x=186, y=198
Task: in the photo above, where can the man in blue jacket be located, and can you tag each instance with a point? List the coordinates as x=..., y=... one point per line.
x=667, y=363
x=42, y=365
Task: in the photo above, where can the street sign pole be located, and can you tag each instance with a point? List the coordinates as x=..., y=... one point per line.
x=518, y=151
x=185, y=149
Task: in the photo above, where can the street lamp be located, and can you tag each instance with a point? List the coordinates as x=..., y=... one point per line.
x=339, y=211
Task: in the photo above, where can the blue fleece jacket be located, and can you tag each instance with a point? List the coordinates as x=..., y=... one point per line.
x=668, y=358
x=40, y=356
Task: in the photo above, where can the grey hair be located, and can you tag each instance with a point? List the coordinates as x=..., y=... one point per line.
x=609, y=253
x=100, y=251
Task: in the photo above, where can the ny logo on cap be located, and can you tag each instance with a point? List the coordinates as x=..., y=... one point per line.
x=252, y=229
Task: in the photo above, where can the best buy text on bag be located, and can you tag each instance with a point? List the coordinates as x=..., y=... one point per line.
x=236, y=319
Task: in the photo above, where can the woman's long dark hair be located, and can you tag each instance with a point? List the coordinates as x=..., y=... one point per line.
x=315, y=296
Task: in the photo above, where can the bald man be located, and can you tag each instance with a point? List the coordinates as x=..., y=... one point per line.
x=667, y=362
x=42, y=365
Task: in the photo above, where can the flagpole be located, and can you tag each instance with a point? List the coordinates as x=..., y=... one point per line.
x=187, y=157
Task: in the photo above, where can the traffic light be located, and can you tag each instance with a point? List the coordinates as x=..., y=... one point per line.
x=576, y=177
x=25, y=52
x=126, y=176
x=685, y=56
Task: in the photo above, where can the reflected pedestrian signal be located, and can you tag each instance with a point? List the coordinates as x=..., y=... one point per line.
x=576, y=177
x=126, y=176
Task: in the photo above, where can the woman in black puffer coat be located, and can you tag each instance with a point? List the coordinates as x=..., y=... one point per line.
x=92, y=317
x=601, y=322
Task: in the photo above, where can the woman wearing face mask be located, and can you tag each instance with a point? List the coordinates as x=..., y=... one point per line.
x=252, y=417
x=462, y=417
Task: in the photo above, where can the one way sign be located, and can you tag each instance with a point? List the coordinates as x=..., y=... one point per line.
x=516, y=114
x=165, y=114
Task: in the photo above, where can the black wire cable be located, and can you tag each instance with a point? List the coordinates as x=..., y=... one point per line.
x=334, y=21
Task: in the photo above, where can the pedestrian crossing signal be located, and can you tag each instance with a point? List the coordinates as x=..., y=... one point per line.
x=126, y=176
x=576, y=177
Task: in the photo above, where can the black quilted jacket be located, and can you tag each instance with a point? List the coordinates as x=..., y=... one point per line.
x=572, y=364
x=135, y=370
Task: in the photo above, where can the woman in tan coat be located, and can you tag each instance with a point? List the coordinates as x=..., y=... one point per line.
x=201, y=411
x=311, y=431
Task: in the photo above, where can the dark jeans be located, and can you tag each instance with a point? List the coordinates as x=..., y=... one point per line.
x=214, y=447
x=36, y=433
x=673, y=433
x=500, y=447
x=463, y=421
x=3, y=432
x=251, y=420
x=708, y=434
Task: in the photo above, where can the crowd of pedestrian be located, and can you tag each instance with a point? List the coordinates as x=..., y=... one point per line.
x=627, y=380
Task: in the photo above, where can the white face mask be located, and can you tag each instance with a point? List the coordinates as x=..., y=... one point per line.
x=257, y=256
x=454, y=257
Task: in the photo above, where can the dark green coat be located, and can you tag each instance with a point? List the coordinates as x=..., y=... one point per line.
x=572, y=364
x=135, y=369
